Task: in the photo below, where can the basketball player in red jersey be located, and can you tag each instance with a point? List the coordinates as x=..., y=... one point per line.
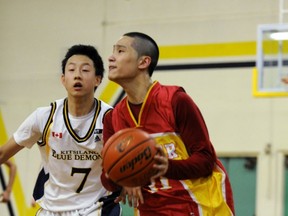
x=190, y=179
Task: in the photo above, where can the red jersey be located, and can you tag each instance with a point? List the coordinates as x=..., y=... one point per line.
x=196, y=182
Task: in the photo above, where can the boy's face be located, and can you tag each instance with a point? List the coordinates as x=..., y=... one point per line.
x=79, y=78
x=124, y=61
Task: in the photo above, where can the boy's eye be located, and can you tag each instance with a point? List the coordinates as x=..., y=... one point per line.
x=86, y=69
x=119, y=50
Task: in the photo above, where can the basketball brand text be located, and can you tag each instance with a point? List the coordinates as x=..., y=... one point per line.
x=138, y=159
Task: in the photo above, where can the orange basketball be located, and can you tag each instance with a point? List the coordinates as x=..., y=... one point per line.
x=128, y=157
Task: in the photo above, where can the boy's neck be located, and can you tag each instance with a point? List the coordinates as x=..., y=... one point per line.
x=80, y=107
x=137, y=89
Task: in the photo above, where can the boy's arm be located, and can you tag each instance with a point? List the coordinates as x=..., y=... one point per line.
x=9, y=149
x=12, y=173
x=107, y=133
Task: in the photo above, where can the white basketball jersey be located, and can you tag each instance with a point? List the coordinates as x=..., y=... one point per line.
x=71, y=152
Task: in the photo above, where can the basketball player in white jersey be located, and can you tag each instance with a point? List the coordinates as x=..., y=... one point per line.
x=69, y=136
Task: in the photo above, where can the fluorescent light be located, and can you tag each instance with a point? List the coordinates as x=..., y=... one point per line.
x=279, y=35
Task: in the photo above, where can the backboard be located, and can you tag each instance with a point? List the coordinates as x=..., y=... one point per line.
x=272, y=61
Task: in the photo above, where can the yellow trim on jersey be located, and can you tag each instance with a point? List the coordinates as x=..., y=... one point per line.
x=42, y=142
x=144, y=102
x=138, y=121
x=208, y=192
x=131, y=114
x=92, y=126
x=166, y=139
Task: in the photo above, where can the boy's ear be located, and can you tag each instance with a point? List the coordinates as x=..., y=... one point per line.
x=98, y=80
x=144, y=62
x=62, y=78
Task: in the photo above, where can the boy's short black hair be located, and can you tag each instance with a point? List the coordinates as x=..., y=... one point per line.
x=88, y=51
x=145, y=45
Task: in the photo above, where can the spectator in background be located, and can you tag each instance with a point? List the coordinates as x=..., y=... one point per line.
x=285, y=80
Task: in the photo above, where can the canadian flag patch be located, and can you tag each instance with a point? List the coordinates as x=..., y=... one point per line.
x=57, y=135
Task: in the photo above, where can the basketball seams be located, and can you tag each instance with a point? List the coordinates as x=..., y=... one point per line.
x=111, y=142
x=135, y=173
x=128, y=157
x=140, y=143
